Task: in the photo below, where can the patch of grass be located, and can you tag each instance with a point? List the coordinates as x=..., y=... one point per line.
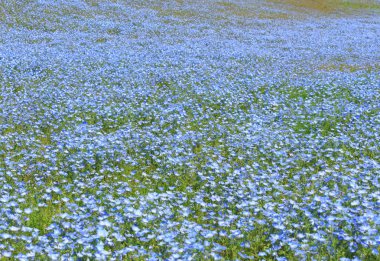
x=344, y=67
x=43, y=217
x=114, y=31
x=329, y=6
x=93, y=3
x=369, y=4
x=248, y=11
x=177, y=13
x=101, y=40
x=39, y=40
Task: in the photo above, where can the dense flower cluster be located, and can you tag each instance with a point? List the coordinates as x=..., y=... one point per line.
x=187, y=131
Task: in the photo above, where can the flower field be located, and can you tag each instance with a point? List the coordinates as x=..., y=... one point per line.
x=189, y=130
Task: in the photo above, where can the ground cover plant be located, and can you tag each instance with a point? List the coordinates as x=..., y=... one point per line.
x=189, y=130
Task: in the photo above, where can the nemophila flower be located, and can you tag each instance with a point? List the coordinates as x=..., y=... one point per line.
x=6, y=254
x=101, y=232
x=262, y=254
